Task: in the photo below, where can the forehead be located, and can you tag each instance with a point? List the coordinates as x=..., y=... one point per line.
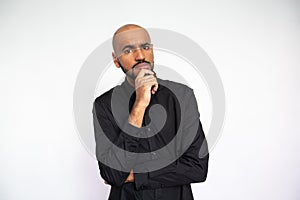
x=132, y=37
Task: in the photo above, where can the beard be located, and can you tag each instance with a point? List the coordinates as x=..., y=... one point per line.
x=130, y=73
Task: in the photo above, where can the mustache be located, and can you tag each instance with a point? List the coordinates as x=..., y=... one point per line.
x=139, y=62
x=131, y=73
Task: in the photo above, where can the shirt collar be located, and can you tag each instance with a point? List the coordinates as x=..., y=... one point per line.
x=126, y=86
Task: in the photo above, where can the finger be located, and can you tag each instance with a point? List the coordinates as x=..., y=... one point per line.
x=154, y=88
x=146, y=76
x=142, y=73
x=147, y=84
x=145, y=73
x=145, y=81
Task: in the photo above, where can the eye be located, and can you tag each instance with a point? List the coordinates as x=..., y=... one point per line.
x=146, y=47
x=127, y=51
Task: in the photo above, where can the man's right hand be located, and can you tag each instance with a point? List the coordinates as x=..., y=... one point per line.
x=145, y=85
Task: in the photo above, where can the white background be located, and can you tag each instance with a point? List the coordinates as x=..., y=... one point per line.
x=254, y=45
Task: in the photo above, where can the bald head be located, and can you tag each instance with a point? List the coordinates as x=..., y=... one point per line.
x=128, y=32
x=127, y=27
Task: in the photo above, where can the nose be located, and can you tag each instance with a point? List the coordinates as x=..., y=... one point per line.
x=139, y=54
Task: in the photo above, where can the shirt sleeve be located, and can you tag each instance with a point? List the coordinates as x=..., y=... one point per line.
x=109, y=140
x=191, y=166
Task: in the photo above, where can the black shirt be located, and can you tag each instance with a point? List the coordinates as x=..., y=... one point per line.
x=174, y=121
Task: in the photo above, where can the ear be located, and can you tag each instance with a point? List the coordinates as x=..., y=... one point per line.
x=115, y=60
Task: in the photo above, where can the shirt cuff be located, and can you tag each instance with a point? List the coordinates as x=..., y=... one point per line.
x=140, y=179
x=133, y=130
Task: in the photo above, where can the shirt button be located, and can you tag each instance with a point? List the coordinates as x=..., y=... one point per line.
x=153, y=155
x=149, y=129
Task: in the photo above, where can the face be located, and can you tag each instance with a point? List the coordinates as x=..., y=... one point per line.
x=133, y=51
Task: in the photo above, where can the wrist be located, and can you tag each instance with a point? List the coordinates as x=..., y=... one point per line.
x=137, y=114
x=140, y=105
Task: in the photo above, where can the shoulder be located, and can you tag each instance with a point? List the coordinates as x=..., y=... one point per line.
x=105, y=97
x=175, y=87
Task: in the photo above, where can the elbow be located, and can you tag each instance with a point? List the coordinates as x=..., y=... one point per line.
x=111, y=180
x=112, y=176
x=202, y=169
x=199, y=176
x=202, y=177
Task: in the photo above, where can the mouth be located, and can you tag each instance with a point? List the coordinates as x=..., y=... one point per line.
x=143, y=65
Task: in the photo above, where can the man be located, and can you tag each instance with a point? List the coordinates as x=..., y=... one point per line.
x=164, y=148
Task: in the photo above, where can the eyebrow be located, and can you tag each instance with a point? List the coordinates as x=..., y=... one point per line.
x=127, y=46
x=132, y=46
